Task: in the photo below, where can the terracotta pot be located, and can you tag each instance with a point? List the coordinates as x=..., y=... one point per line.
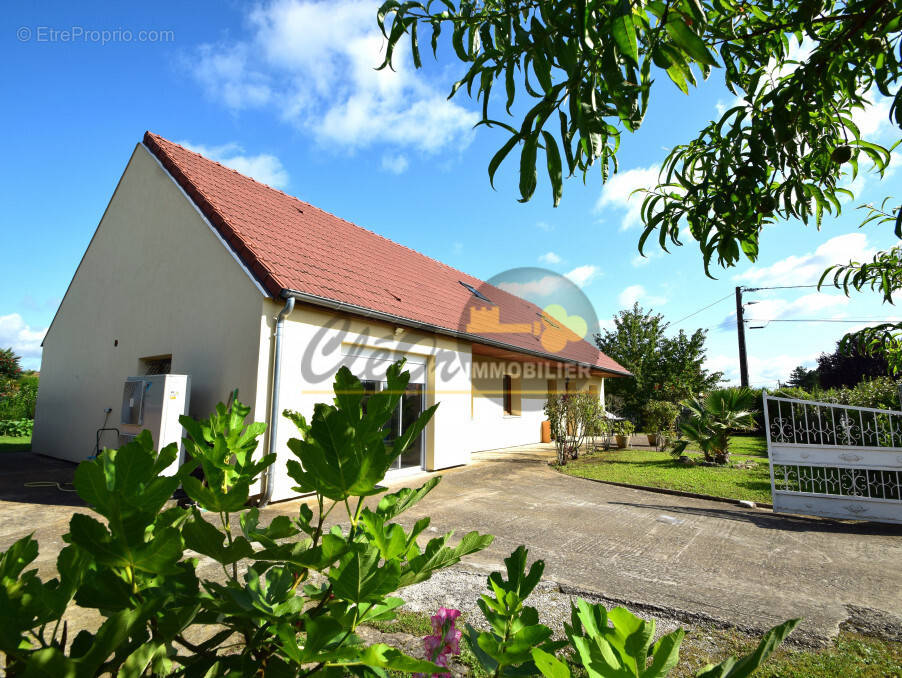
x=653, y=439
x=546, y=431
x=622, y=441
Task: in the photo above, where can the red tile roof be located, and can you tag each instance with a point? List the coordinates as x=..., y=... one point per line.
x=290, y=245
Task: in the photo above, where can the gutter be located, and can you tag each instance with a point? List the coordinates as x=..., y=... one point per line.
x=266, y=493
x=456, y=334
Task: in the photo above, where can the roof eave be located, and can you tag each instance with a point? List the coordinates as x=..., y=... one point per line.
x=456, y=334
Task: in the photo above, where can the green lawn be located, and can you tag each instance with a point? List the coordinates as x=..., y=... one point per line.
x=10, y=444
x=849, y=655
x=659, y=469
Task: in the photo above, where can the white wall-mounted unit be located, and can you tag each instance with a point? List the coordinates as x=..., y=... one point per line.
x=155, y=403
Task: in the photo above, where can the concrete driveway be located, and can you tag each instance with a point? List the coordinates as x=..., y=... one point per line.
x=675, y=557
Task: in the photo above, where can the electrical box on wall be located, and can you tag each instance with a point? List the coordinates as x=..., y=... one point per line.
x=154, y=403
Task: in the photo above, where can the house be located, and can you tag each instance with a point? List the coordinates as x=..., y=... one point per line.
x=196, y=269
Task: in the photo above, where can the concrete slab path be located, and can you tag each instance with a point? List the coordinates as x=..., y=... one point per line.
x=688, y=558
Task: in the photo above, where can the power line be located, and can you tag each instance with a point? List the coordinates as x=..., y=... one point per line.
x=704, y=308
x=818, y=320
x=776, y=287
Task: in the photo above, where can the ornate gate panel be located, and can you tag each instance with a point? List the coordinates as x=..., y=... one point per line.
x=834, y=461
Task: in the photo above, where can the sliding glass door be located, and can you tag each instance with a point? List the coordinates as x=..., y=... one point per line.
x=406, y=413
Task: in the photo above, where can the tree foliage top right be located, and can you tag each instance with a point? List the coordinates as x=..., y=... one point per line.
x=584, y=72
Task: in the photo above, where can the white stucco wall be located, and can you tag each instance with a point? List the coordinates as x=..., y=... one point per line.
x=491, y=428
x=318, y=342
x=155, y=280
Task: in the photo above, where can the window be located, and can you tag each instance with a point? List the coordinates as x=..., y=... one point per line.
x=406, y=413
x=476, y=293
x=510, y=396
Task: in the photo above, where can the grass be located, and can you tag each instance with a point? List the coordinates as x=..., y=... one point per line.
x=659, y=469
x=14, y=444
x=850, y=655
x=419, y=624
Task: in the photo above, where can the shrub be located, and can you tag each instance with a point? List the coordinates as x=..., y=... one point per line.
x=660, y=416
x=292, y=593
x=19, y=401
x=9, y=364
x=573, y=417
x=17, y=428
x=624, y=427
x=881, y=393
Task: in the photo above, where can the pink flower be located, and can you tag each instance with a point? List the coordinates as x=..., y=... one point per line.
x=445, y=639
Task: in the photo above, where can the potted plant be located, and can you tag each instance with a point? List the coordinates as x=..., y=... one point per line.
x=622, y=431
x=660, y=417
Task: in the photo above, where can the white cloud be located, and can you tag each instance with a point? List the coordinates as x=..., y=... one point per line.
x=762, y=371
x=532, y=288
x=457, y=247
x=583, y=275
x=264, y=167
x=227, y=75
x=814, y=305
x=617, y=193
x=637, y=293
x=544, y=226
x=642, y=260
x=723, y=106
x=873, y=121
x=394, y=163
x=806, y=269
x=315, y=64
x=24, y=341
x=550, y=258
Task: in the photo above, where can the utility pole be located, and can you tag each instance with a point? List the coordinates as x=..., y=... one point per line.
x=740, y=330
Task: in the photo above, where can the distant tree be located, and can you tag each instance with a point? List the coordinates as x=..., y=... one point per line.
x=10, y=365
x=801, y=377
x=664, y=368
x=848, y=365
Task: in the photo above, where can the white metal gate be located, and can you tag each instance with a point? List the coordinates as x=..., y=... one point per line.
x=834, y=460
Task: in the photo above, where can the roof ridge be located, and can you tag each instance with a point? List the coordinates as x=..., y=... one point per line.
x=226, y=167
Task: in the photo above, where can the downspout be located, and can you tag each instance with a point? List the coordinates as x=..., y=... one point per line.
x=266, y=495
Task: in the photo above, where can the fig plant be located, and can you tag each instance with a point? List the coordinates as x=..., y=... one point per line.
x=287, y=596
x=284, y=597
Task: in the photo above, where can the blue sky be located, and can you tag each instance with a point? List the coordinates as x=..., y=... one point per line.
x=286, y=92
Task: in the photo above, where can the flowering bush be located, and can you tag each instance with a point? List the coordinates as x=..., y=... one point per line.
x=9, y=364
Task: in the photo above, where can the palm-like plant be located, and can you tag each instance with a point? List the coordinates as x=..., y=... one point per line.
x=712, y=418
